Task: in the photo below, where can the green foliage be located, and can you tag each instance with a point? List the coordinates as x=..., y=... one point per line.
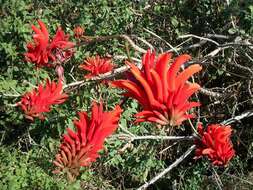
x=27, y=170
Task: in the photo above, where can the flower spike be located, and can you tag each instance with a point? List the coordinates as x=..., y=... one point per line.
x=96, y=65
x=80, y=148
x=162, y=90
x=44, y=52
x=40, y=100
x=215, y=143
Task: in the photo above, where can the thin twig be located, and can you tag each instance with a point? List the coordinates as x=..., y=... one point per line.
x=246, y=114
x=173, y=165
x=92, y=39
x=107, y=75
x=145, y=42
x=126, y=130
x=152, y=137
x=245, y=181
x=167, y=43
x=199, y=37
x=219, y=36
x=217, y=178
x=208, y=92
x=165, y=149
x=235, y=44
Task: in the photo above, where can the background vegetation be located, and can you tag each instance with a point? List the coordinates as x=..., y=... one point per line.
x=27, y=149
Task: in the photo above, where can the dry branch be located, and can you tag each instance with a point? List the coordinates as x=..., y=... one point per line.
x=93, y=39
x=173, y=165
x=246, y=114
x=151, y=137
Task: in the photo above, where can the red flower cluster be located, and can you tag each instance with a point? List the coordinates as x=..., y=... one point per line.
x=160, y=89
x=40, y=100
x=78, y=31
x=81, y=148
x=215, y=143
x=96, y=65
x=43, y=51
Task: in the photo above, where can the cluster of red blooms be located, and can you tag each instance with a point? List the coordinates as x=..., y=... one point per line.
x=40, y=100
x=43, y=51
x=81, y=148
x=162, y=90
x=96, y=66
x=215, y=143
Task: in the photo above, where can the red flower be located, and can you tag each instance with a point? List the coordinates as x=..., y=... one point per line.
x=78, y=31
x=161, y=90
x=38, y=101
x=81, y=148
x=37, y=51
x=60, y=47
x=215, y=143
x=96, y=66
x=43, y=52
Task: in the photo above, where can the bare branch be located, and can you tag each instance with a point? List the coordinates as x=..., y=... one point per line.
x=246, y=114
x=92, y=39
x=173, y=165
x=167, y=43
x=219, y=36
x=236, y=44
x=152, y=137
x=107, y=75
x=199, y=37
x=233, y=176
x=145, y=42
x=208, y=92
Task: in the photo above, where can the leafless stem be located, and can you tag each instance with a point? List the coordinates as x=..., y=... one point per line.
x=107, y=75
x=245, y=181
x=218, y=36
x=167, y=43
x=173, y=165
x=152, y=137
x=246, y=114
x=208, y=92
x=145, y=42
x=199, y=37
x=92, y=39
